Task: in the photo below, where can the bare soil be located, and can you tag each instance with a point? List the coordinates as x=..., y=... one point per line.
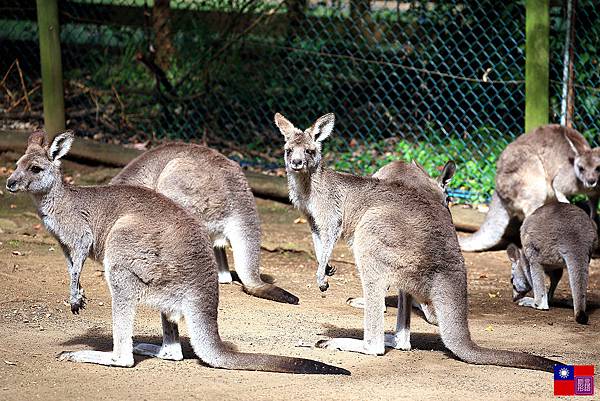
x=36, y=325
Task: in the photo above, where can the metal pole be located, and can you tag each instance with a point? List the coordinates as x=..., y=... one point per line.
x=537, y=28
x=52, y=79
x=567, y=101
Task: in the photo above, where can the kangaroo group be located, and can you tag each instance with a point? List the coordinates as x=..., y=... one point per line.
x=161, y=226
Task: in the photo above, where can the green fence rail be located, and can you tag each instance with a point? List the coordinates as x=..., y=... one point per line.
x=424, y=80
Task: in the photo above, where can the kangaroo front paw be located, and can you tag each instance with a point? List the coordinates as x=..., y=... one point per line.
x=323, y=284
x=330, y=270
x=77, y=302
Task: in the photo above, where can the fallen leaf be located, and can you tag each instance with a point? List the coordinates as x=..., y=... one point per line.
x=10, y=363
x=17, y=253
x=13, y=206
x=489, y=328
x=483, y=276
x=51, y=249
x=494, y=294
x=300, y=220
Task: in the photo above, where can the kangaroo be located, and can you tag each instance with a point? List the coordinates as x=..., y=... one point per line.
x=212, y=187
x=400, y=236
x=555, y=236
x=549, y=163
x=413, y=172
x=152, y=250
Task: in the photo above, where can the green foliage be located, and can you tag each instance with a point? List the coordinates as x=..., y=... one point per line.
x=474, y=175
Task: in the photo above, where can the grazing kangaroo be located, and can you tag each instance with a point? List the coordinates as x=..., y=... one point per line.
x=213, y=188
x=413, y=172
x=549, y=163
x=152, y=250
x=400, y=236
x=555, y=236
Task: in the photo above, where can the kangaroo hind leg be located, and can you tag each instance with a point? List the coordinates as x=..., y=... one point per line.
x=401, y=339
x=171, y=346
x=373, y=342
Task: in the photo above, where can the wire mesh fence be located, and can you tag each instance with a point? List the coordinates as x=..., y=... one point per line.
x=420, y=80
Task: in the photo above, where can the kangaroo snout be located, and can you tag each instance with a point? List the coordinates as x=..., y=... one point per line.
x=11, y=184
x=297, y=164
x=590, y=183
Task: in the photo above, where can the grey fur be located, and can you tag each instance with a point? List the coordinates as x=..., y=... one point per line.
x=401, y=236
x=213, y=188
x=550, y=163
x=152, y=250
x=402, y=171
x=554, y=237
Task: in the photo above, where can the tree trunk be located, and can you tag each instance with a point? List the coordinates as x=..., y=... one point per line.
x=161, y=24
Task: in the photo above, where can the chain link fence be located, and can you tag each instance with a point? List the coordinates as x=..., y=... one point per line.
x=420, y=80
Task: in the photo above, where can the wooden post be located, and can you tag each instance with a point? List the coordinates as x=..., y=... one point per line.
x=537, y=60
x=52, y=79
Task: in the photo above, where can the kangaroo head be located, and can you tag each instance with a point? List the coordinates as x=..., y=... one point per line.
x=587, y=167
x=586, y=163
x=303, y=148
x=39, y=168
x=518, y=278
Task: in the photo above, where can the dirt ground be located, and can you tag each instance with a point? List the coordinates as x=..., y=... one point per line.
x=36, y=324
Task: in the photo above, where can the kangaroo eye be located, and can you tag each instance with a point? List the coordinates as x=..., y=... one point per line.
x=288, y=152
x=35, y=169
x=581, y=169
x=310, y=152
x=598, y=169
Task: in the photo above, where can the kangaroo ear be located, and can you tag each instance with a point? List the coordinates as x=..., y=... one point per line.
x=286, y=127
x=60, y=146
x=323, y=127
x=447, y=174
x=37, y=138
x=419, y=166
x=576, y=141
x=513, y=253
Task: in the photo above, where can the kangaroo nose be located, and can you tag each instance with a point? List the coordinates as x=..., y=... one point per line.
x=11, y=184
x=296, y=162
x=592, y=183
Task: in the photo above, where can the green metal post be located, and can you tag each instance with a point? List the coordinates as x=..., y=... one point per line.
x=52, y=79
x=537, y=60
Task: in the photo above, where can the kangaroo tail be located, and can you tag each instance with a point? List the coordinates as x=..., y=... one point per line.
x=207, y=344
x=491, y=231
x=449, y=297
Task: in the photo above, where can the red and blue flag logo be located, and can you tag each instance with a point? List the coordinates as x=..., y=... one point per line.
x=574, y=380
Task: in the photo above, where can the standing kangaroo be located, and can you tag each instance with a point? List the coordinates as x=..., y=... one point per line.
x=413, y=172
x=400, y=236
x=213, y=188
x=152, y=250
x=555, y=236
x=549, y=163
